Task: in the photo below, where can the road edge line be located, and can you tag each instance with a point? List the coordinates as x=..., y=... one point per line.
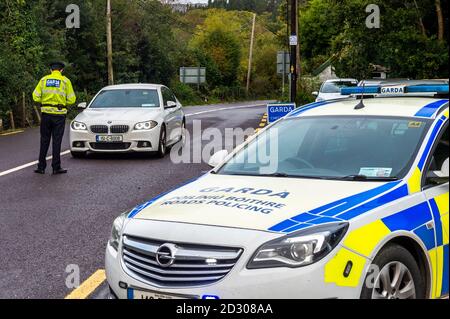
x=88, y=286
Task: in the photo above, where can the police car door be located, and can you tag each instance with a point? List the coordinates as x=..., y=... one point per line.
x=436, y=192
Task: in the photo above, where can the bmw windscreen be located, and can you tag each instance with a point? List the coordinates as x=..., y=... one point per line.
x=337, y=147
x=126, y=98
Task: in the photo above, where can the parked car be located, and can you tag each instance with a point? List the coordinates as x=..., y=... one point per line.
x=331, y=89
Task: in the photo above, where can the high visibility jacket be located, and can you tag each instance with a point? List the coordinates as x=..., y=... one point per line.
x=54, y=92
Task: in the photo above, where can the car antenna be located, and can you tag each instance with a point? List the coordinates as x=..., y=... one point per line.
x=361, y=105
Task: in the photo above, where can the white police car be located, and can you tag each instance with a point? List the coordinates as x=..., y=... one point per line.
x=351, y=203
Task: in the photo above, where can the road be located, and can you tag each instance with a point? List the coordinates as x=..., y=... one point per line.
x=49, y=222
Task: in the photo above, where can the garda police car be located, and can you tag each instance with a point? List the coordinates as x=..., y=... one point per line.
x=352, y=202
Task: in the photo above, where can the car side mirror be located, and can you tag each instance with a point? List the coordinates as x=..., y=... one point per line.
x=82, y=105
x=218, y=158
x=315, y=93
x=439, y=177
x=171, y=104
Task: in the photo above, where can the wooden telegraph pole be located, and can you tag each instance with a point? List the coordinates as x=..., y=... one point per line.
x=293, y=41
x=250, y=58
x=109, y=43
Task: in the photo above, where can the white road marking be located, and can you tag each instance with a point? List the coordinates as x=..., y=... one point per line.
x=224, y=109
x=18, y=168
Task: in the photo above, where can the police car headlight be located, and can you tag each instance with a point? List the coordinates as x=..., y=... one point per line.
x=78, y=126
x=148, y=125
x=116, y=231
x=301, y=248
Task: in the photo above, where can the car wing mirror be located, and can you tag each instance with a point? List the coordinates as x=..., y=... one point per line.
x=218, y=158
x=440, y=177
x=171, y=104
x=82, y=105
x=315, y=93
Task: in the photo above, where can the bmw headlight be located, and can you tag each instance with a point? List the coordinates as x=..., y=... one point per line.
x=78, y=126
x=299, y=249
x=148, y=125
x=116, y=231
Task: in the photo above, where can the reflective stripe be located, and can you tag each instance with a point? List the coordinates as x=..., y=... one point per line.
x=54, y=92
x=70, y=95
x=37, y=94
x=53, y=110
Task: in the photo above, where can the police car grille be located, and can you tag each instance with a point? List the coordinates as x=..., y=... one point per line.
x=99, y=129
x=118, y=129
x=194, y=265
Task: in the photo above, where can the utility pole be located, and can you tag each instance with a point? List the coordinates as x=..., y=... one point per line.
x=293, y=42
x=109, y=43
x=250, y=58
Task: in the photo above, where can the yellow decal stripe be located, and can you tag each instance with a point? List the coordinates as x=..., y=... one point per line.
x=414, y=181
x=364, y=240
x=446, y=113
x=335, y=268
x=437, y=259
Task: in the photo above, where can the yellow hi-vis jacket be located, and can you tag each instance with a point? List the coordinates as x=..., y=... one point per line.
x=54, y=92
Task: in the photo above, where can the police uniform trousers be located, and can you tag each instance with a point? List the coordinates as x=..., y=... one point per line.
x=52, y=127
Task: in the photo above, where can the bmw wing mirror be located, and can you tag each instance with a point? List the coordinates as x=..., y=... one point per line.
x=82, y=105
x=171, y=104
x=440, y=177
x=217, y=158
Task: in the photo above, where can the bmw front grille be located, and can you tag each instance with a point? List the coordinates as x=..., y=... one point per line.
x=176, y=264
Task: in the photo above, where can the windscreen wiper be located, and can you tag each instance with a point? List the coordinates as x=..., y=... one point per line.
x=367, y=178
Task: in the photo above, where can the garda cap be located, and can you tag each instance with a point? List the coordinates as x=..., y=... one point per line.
x=57, y=65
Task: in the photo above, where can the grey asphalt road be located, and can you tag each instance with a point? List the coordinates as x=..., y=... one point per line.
x=50, y=222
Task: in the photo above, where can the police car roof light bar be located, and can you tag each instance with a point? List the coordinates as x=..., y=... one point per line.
x=425, y=88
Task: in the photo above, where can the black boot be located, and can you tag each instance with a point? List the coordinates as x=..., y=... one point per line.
x=39, y=171
x=59, y=171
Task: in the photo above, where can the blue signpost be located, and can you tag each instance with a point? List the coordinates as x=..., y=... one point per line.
x=276, y=111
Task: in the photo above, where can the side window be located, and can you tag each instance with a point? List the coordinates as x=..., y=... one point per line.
x=165, y=95
x=439, y=157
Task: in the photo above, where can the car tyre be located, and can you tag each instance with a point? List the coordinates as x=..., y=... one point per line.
x=78, y=154
x=162, y=147
x=399, y=276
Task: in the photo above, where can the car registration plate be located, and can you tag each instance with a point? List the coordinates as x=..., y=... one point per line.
x=143, y=295
x=109, y=138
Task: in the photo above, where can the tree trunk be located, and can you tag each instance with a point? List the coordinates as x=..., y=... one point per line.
x=440, y=19
x=422, y=26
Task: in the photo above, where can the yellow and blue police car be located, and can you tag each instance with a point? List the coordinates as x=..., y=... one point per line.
x=338, y=199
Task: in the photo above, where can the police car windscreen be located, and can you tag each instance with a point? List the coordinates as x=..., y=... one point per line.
x=332, y=148
x=126, y=98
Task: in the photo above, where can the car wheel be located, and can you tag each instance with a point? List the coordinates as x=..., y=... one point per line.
x=162, y=147
x=78, y=154
x=399, y=276
x=183, y=134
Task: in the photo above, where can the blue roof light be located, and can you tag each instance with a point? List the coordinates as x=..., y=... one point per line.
x=425, y=88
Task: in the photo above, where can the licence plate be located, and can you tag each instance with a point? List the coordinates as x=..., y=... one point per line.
x=143, y=295
x=109, y=138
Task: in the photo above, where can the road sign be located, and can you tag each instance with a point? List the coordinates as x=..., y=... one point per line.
x=276, y=111
x=193, y=75
x=293, y=40
x=283, y=62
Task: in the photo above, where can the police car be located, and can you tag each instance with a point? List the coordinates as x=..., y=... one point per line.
x=128, y=118
x=353, y=202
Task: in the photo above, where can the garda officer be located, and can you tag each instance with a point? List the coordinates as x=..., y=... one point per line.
x=54, y=92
